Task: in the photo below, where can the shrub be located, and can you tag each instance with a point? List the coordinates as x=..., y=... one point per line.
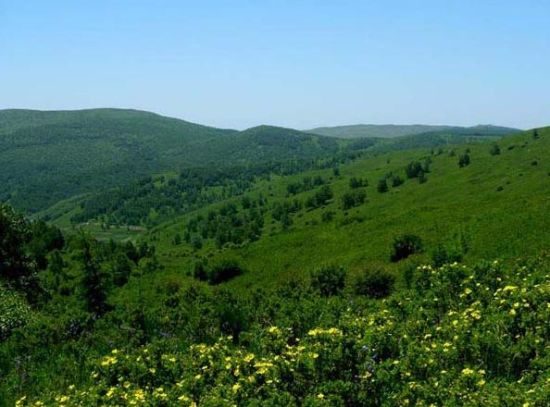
x=357, y=182
x=320, y=198
x=224, y=271
x=445, y=255
x=200, y=272
x=464, y=160
x=327, y=216
x=396, y=181
x=382, y=186
x=404, y=246
x=375, y=283
x=352, y=199
x=413, y=169
x=328, y=280
x=422, y=177
x=495, y=149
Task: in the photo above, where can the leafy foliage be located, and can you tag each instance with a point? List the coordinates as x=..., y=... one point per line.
x=483, y=342
x=374, y=283
x=404, y=246
x=328, y=280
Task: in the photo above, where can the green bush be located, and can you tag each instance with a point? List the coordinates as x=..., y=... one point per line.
x=224, y=271
x=328, y=280
x=353, y=198
x=382, y=186
x=327, y=216
x=464, y=160
x=445, y=255
x=404, y=246
x=396, y=181
x=374, y=283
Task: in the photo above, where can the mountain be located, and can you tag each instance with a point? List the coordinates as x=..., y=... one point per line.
x=47, y=156
x=351, y=279
x=393, y=130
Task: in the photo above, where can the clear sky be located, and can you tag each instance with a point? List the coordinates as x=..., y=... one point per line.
x=292, y=63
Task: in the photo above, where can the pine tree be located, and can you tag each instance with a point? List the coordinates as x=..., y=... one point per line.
x=382, y=186
x=92, y=282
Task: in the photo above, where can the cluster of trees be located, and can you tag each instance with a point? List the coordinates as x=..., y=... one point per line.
x=24, y=247
x=229, y=224
x=353, y=198
x=34, y=261
x=413, y=170
x=357, y=182
x=283, y=211
x=320, y=198
x=307, y=183
x=149, y=200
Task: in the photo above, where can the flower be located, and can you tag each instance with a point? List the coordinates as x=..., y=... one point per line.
x=467, y=372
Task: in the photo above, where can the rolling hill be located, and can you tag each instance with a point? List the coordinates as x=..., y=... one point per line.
x=393, y=130
x=50, y=156
x=501, y=195
x=346, y=280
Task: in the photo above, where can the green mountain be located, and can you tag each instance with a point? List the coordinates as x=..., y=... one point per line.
x=393, y=130
x=50, y=156
x=369, y=276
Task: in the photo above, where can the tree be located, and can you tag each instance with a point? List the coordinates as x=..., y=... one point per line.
x=464, y=160
x=382, y=186
x=56, y=266
x=352, y=199
x=357, y=182
x=17, y=265
x=413, y=169
x=536, y=134
x=93, y=284
x=422, y=177
x=320, y=198
x=495, y=149
x=121, y=270
x=396, y=181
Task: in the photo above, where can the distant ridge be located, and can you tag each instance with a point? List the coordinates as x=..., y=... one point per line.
x=397, y=130
x=46, y=156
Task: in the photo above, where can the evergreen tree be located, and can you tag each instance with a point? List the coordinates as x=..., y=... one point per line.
x=382, y=186
x=464, y=160
x=93, y=282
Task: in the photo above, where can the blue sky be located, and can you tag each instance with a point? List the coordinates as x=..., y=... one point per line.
x=292, y=63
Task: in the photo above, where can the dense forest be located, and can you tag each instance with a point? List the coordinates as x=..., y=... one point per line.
x=300, y=270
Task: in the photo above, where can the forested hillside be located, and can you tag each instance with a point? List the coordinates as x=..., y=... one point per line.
x=50, y=156
x=392, y=130
x=307, y=271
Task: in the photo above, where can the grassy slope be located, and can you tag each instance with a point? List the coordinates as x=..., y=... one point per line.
x=454, y=201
